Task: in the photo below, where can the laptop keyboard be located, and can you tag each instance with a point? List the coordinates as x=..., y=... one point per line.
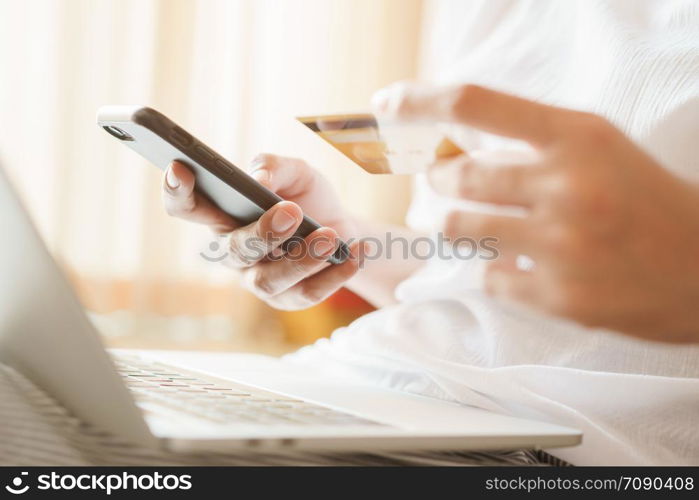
x=156, y=385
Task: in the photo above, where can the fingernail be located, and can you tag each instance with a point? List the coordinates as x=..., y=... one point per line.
x=323, y=247
x=256, y=163
x=172, y=181
x=282, y=221
x=379, y=101
x=261, y=176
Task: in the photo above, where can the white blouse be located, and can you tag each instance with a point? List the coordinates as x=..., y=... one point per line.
x=635, y=62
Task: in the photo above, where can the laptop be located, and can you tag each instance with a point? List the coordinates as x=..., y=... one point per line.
x=222, y=402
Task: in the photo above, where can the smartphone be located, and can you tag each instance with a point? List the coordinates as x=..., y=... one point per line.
x=159, y=140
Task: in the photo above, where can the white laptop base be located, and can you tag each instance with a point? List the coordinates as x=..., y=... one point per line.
x=214, y=401
x=266, y=404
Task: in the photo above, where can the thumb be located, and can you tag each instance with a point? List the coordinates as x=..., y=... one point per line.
x=288, y=177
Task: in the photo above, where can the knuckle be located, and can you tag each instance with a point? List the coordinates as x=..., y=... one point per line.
x=465, y=97
x=505, y=182
x=570, y=181
x=261, y=230
x=600, y=204
x=469, y=179
x=310, y=294
x=594, y=130
x=588, y=193
x=571, y=185
x=298, y=267
x=564, y=240
x=260, y=283
x=179, y=208
x=240, y=255
x=459, y=224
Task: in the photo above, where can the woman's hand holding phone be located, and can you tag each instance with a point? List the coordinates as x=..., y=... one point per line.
x=299, y=278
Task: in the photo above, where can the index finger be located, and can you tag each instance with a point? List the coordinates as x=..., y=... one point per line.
x=482, y=108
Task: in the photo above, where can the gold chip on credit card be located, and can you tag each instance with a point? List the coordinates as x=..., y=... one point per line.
x=382, y=147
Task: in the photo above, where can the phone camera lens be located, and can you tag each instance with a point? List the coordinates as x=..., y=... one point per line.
x=118, y=133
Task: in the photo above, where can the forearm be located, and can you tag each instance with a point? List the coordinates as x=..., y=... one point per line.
x=386, y=264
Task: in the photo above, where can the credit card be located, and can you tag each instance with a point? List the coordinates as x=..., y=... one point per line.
x=381, y=146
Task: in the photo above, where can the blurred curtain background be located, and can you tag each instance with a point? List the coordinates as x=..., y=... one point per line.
x=234, y=73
